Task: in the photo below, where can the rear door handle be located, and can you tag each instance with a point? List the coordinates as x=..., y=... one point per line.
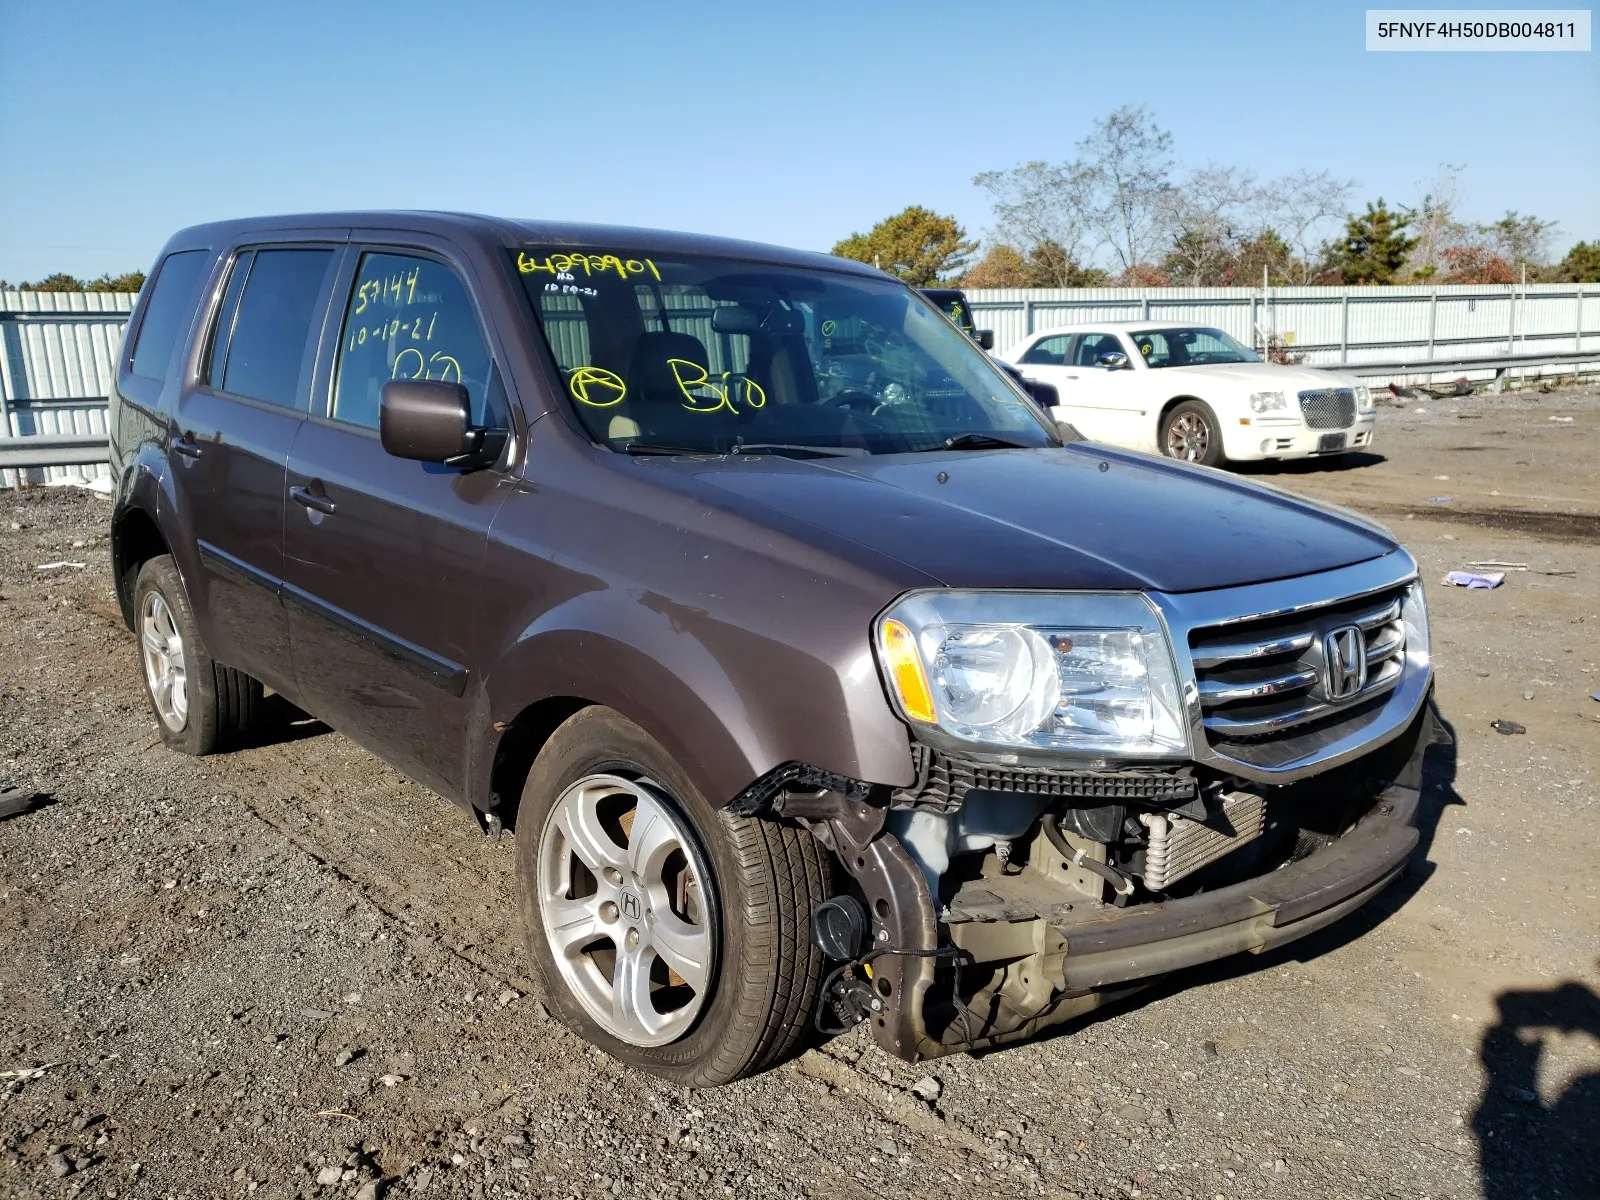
x=306, y=498
x=187, y=446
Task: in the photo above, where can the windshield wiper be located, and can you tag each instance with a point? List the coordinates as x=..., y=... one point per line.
x=738, y=448
x=789, y=447
x=656, y=448
x=981, y=441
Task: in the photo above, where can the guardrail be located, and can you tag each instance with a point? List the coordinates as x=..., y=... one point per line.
x=1434, y=366
x=53, y=450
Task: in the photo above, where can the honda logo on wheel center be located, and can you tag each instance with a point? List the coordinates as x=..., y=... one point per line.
x=1344, y=662
x=628, y=902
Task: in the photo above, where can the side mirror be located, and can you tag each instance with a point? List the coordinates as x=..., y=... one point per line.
x=1044, y=394
x=1113, y=360
x=986, y=338
x=431, y=421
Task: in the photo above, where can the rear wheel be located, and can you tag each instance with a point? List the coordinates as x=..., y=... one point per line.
x=672, y=935
x=200, y=705
x=1190, y=433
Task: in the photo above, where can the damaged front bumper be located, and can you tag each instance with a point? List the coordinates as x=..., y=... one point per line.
x=1030, y=962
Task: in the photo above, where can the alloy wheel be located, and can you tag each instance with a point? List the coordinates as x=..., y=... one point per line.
x=1188, y=437
x=625, y=900
x=165, y=670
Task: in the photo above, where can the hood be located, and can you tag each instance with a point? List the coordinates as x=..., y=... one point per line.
x=1263, y=376
x=1080, y=516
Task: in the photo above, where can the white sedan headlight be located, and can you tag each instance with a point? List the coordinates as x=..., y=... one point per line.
x=1364, y=401
x=1086, y=673
x=1266, y=401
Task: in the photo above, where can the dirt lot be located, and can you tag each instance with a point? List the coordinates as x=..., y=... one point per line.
x=290, y=972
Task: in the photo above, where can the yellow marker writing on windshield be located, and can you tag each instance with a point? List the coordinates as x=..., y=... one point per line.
x=589, y=264
x=596, y=387
x=691, y=375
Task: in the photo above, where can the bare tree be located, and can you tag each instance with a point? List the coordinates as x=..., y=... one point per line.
x=1436, y=223
x=1208, y=215
x=1126, y=161
x=1300, y=207
x=1040, y=204
x=1520, y=240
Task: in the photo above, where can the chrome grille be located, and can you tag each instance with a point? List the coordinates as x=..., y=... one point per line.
x=1261, y=680
x=1329, y=408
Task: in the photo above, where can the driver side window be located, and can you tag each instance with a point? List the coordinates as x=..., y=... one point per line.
x=411, y=318
x=1092, y=345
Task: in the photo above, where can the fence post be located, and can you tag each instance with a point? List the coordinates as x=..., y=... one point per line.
x=1027, y=317
x=1577, y=333
x=1145, y=315
x=1511, y=325
x=1344, y=329
x=1433, y=319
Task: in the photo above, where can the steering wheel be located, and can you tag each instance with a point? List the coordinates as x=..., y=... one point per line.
x=849, y=400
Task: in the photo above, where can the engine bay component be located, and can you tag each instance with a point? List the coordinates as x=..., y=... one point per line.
x=1180, y=846
x=1121, y=885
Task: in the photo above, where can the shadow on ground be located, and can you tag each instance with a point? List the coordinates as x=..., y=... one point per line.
x=282, y=722
x=1353, y=461
x=1529, y=1149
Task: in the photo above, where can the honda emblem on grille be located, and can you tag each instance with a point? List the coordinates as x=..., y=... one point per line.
x=1344, y=662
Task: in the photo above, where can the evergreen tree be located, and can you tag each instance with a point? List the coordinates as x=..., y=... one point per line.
x=1375, y=245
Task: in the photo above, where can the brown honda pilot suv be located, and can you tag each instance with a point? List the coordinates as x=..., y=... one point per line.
x=821, y=679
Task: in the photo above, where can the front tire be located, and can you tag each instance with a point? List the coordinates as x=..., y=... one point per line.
x=200, y=705
x=674, y=936
x=1190, y=432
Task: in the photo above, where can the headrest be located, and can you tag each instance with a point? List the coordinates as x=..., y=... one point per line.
x=648, y=370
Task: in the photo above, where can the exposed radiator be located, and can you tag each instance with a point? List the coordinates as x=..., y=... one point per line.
x=1179, y=846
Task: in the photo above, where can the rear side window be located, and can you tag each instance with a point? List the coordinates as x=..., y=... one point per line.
x=1048, y=352
x=167, y=312
x=277, y=315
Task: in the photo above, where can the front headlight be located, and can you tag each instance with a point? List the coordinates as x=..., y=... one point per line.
x=1088, y=673
x=1364, y=402
x=1414, y=618
x=1266, y=401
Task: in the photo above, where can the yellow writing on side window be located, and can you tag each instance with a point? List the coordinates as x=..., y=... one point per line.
x=589, y=264
x=409, y=364
x=397, y=288
x=692, y=377
x=596, y=387
x=415, y=329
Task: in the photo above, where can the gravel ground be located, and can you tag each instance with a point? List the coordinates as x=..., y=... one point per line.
x=290, y=972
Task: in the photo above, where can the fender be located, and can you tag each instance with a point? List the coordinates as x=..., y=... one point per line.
x=701, y=688
x=144, y=486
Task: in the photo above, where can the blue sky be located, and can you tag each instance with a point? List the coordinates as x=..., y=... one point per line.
x=795, y=124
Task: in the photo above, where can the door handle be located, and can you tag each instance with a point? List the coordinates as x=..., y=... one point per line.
x=186, y=446
x=306, y=498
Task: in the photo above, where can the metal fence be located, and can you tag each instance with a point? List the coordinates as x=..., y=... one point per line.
x=58, y=361
x=1330, y=327
x=58, y=350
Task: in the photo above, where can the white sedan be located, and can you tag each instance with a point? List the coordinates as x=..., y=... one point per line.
x=1192, y=392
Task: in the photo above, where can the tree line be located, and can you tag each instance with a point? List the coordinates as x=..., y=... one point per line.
x=129, y=281
x=1121, y=214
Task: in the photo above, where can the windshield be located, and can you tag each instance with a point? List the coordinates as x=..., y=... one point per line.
x=954, y=305
x=1194, y=347
x=716, y=355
